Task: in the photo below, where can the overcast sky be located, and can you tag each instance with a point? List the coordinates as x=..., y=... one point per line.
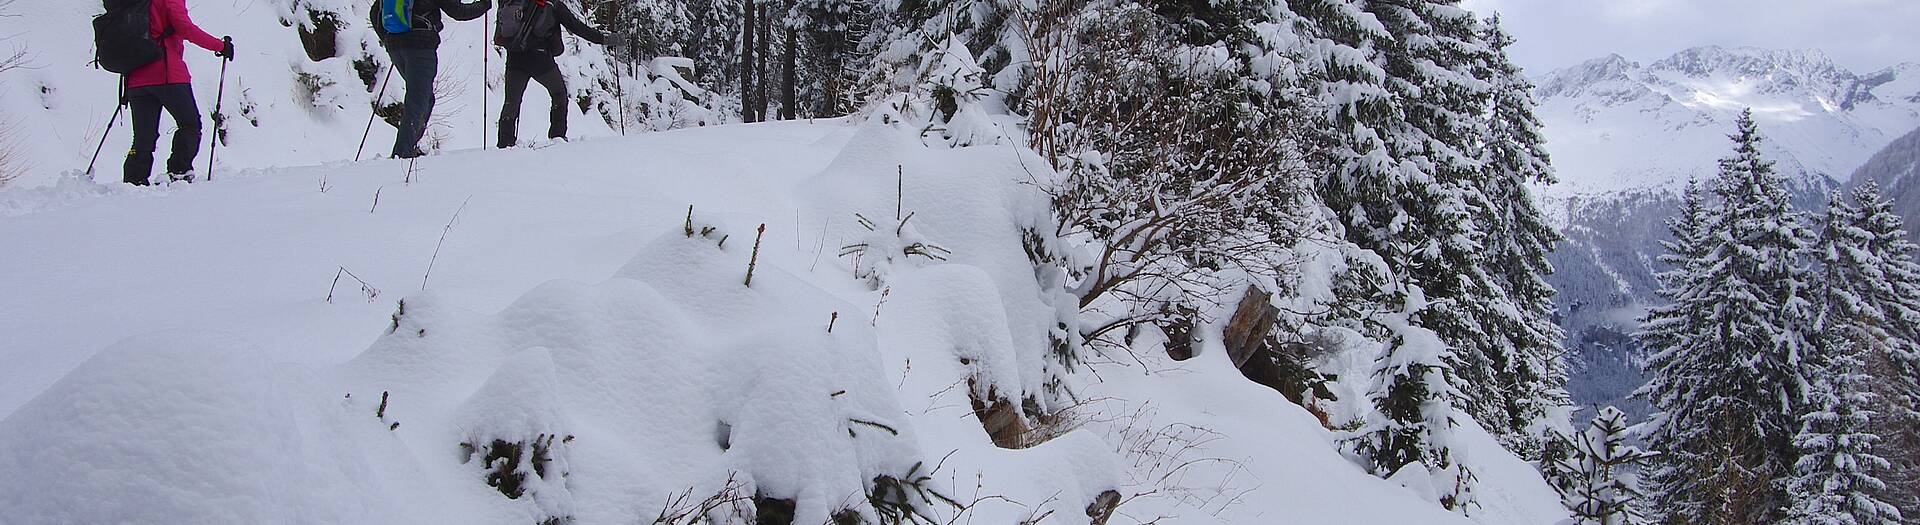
x=1861, y=35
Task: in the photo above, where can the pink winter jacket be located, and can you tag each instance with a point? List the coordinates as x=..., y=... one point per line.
x=172, y=69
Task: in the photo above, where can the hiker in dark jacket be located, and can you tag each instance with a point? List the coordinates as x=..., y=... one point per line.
x=416, y=54
x=530, y=53
x=166, y=84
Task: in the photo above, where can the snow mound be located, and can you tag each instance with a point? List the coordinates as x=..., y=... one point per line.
x=194, y=427
x=580, y=356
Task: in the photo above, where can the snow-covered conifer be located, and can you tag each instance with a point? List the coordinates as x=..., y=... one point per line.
x=1518, y=240
x=1413, y=396
x=830, y=32
x=1835, y=480
x=1873, y=288
x=1604, y=486
x=1727, y=355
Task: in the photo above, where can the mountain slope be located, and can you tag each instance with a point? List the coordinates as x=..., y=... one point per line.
x=1895, y=169
x=1626, y=137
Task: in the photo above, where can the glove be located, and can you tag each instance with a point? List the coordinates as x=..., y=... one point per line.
x=227, y=50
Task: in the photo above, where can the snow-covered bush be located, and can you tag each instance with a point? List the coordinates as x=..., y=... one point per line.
x=888, y=244
x=1409, y=437
x=1170, y=162
x=652, y=97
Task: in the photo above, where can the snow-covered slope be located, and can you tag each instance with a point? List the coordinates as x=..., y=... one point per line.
x=173, y=356
x=1626, y=137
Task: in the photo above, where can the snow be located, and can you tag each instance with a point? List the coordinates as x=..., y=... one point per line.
x=567, y=306
x=1616, y=127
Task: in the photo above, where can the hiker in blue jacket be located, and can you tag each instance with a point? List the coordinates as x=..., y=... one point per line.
x=416, y=54
x=530, y=32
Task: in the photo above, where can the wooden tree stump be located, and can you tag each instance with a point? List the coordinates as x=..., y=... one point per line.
x=1247, y=330
x=1000, y=417
x=1102, y=507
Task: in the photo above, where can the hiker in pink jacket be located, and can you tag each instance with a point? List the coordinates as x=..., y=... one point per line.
x=166, y=84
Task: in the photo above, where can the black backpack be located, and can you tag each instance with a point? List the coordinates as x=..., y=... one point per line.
x=525, y=25
x=121, y=42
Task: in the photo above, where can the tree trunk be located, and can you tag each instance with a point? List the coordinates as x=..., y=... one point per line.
x=747, y=63
x=760, y=63
x=788, y=97
x=830, y=79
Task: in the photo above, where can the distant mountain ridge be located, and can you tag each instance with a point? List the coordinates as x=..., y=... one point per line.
x=1626, y=137
x=1616, y=126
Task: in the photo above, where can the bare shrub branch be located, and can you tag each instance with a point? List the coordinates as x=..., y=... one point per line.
x=12, y=56
x=1179, y=172
x=731, y=504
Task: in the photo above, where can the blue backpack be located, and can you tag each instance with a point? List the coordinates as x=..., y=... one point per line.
x=396, y=16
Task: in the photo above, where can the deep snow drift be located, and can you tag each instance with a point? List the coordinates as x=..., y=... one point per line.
x=172, y=357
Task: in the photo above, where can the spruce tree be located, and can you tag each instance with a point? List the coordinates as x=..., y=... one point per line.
x=1727, y=353
x=1889, y=280
x=1414, y=416
x=830, y=32
x=1448, y=241
x=1836, y=479
x=1376, y=196
x=1518, y=240
x=1343, y=46
x=1867, y=255
x=1603, y=487
x=1557, y=463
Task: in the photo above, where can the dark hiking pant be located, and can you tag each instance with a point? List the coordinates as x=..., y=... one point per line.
x=417, y=68
x=146, y=103
x=517, y=89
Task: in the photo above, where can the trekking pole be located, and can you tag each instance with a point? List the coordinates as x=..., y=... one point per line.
x=486, y=68
x=619, y=88
x=384, y=82
x=623, y=61
x=219, y=96
x=122, y=103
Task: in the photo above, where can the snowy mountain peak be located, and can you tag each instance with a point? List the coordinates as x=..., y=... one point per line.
x=1570, y=81
x=1897, y=83
x=1616, y=126
x=1786, y=81
x=1707, y=61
